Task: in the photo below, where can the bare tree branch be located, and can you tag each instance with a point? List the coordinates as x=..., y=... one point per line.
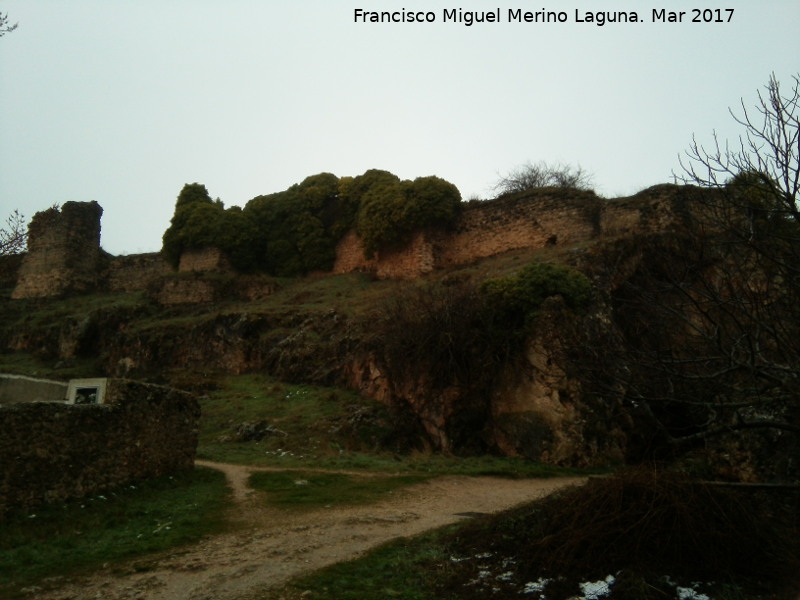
x=4, y=25
x=14, y=237
x=541, y=175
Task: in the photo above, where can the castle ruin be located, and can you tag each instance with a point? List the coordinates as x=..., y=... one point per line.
x=64, y=254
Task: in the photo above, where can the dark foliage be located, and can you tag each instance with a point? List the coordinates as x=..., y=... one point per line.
x=639, y=525
x=390, y=210
x=458, y=337
x=541, y=175
x=296, y=231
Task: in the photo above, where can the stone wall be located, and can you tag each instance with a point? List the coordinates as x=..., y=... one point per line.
x=63, y=252
x=204, y=259
x=64, y=246
x=135, y=272
x=55, y=452
x=547, y=217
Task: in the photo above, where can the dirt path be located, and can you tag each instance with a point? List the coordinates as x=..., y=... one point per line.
x=273, y=546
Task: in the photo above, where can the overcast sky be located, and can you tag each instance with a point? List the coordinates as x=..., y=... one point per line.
x=124, y=101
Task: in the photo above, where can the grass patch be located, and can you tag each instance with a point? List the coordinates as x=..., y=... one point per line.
x=306, y=490
x=254, y=419
x=403, y=569
x=103, y=530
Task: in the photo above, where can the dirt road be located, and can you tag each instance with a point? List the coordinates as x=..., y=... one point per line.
x=273, y=546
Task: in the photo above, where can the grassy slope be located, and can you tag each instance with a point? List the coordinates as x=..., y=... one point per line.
x=311, y=426
x=96, y=533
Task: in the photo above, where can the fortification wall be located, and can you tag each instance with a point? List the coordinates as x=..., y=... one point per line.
x=536, y=220
x=54, y=452
x=204, y=259
x=63, y=252
x=64, y=246
x=135, y=272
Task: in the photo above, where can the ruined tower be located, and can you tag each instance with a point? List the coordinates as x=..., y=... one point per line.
x=64, y=253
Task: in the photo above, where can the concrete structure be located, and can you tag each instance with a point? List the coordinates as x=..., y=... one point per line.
x=18, y=388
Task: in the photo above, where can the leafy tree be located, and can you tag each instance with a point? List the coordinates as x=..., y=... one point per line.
x=298, y=229
x=200, y=222
x=390, y=210
x=541, y=175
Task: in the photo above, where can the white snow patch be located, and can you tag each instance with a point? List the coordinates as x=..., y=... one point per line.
x=594, y=590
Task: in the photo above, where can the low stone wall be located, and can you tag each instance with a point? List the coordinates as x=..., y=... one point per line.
x=54, y=452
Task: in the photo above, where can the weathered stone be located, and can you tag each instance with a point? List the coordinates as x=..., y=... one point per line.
x=63, y=252
x=53, y=452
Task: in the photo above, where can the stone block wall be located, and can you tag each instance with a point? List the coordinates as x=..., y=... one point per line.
x=135, y=272
x=547, y=217
x=55, y=452
x=204, y=259
x=63, y=252
x=535, y=220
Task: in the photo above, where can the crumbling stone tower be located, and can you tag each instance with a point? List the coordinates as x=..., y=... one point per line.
x=64, y=253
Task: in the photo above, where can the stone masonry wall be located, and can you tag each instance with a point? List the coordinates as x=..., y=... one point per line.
x=63, y=252
x=54, y=452
x=135, y=272
x=533, y=220
x=204, y=259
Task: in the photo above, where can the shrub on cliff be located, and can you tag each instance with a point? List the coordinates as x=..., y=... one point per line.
x=541, y=175
x=200, y=222
x=298, y=229
x=517, y=298
x=390, y=210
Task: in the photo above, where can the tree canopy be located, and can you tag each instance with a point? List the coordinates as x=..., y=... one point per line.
x=296, y=231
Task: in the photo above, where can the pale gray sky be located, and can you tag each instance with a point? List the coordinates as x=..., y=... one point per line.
x=124, y=101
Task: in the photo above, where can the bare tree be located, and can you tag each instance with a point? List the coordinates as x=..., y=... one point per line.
x=705, y=343
x=4, y=25
x=541, y=175
x=769, y=147
x=14, y=236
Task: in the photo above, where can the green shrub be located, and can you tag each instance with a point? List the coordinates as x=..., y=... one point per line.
x=519, y=297
x=200, y=222
x=390, y=210
x=296, y=231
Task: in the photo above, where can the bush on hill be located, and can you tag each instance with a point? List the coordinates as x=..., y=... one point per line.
x=296, y=231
